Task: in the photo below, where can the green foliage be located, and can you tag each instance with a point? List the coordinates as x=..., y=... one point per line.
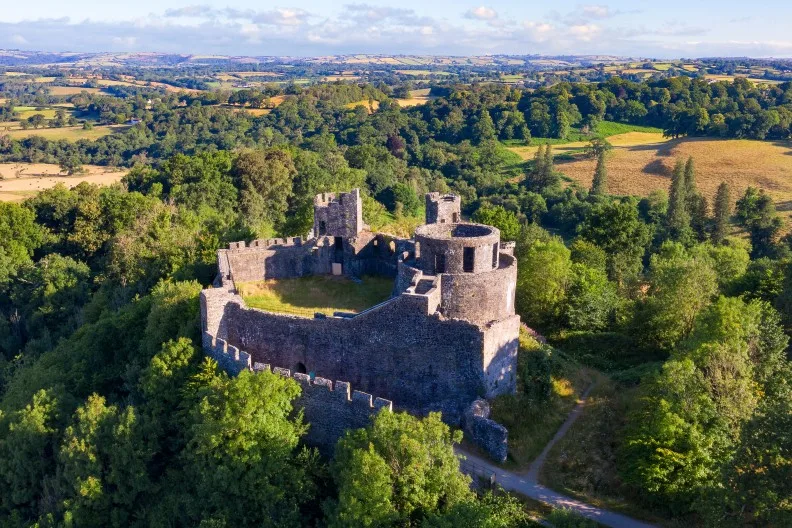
x=499, y=217
x=682, y=285
x=599, y=185
x=536, y=373
x=688, y=424
x=490, y=511
x=615, y=227
x=677, y=222
x=19, y=237
x=543, y=274
x=398, y=471
x=102, y=463
x=241, y=438
x=264, y=180
x=722, y=213
x=28, y=440
x=756, y=212
x=591, y=299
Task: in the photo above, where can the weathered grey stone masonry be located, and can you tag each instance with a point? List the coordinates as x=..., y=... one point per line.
x=446, y=338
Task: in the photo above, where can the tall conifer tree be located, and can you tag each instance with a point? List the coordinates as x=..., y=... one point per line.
x=599, y=186
x=722, y=213
x=677, y=218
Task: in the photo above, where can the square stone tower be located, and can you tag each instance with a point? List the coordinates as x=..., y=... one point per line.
x=340, y=216
x=443, y=209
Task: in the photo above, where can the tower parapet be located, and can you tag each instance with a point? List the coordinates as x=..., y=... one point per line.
x=443, y=209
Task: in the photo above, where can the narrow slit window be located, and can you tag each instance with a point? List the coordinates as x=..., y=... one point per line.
x=494, y=255
x=468, y=259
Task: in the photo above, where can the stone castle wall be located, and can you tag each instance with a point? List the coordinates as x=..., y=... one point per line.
x=396, y=350
x=329, y=408
x=338, y=216
x=443, y=209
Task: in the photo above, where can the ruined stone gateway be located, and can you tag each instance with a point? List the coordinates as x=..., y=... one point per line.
x=445, y=339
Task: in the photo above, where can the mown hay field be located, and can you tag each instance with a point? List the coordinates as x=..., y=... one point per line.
x=21, y=180
x=71, y=90
x=639, y=164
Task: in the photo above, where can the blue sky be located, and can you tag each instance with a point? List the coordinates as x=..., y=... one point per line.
x=692, y=28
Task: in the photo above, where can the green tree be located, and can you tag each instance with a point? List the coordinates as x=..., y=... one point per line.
x=542, y=281
x=542, y=176
x=397, y=471
x=103, y=461
x=696, y=202
x=20, y=235
x=756, y=212
x=242, y=439
x=264, y=180
x=615, y=227
x=591, y=299
x=678, y=216
x=681, y=286
x=497, y=216
x=28, y=441
x=484, y=129
x=722, y=213
x=599, y=185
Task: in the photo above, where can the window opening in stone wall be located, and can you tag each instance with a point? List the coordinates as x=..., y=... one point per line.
x=338, y=242
x=468, y=258
x=495, y=255
x=440, y=263
x=322, y=228
x=301, y=368
x=456, y=218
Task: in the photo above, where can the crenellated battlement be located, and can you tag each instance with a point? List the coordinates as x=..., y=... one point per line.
x=229, y=357
x=447, y=335
x=266, y=243
x=330, y=408
x=340, y=391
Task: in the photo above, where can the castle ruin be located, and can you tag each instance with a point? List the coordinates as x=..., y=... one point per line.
x=446, y=338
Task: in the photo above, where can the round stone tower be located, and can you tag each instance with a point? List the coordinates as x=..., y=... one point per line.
x=477, y=277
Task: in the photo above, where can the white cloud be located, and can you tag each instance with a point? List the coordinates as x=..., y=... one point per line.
x=367, y=28
x=482, y=13
x=126, y=42
x=596, y=11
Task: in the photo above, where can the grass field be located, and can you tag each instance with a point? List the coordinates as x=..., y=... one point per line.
x=642, y=161
x=21, y=180
x=321, y=293
x=638, y=166
x=68, y=133
x=27, y=111
x=71, y=90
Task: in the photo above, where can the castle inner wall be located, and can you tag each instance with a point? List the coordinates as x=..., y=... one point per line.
x=421, y=362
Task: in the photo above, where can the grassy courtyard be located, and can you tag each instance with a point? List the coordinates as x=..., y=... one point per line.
x=323, y=293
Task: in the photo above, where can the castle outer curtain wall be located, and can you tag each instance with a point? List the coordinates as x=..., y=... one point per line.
x=447, y=337
x=423, y=363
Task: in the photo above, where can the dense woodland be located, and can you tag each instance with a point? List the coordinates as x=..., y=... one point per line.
x=110, y=415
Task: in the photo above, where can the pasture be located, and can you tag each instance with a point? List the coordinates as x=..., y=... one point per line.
x=642, y=162
x=75, y=133
x=22, y=180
